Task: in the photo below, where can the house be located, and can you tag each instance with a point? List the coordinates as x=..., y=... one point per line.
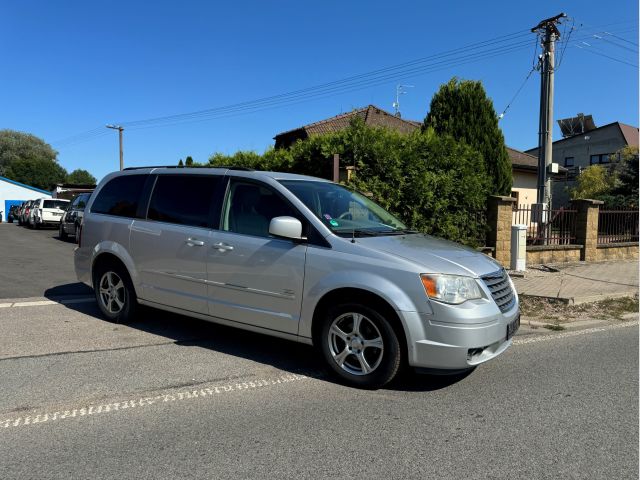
x=371, y=115
x=525, y=166
x=583, y=145
x=70, y=190
x=14, y=193
x=525, y=177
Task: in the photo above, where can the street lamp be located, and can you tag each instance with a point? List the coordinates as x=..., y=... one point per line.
x=120, y=129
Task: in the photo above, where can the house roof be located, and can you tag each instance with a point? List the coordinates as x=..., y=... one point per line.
x=522, y=160
x=8, y=180
x=629, y=133
x=371, y=115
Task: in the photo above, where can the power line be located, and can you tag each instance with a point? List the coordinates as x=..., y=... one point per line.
x=517, y=93
x=451, y=58
x=598, y=37
x=620, y=38
x=597, y=52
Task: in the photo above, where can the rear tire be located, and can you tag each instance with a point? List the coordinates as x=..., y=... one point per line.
x=114, y=292
x=360, y=345
x=62, y=234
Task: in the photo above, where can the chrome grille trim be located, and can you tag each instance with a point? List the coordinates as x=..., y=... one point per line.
x=500, y=288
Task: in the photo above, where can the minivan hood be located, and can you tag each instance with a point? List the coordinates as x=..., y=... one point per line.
x=434, y=254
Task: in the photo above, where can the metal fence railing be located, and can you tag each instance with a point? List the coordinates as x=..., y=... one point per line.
x=616, y=226
x=547, y=227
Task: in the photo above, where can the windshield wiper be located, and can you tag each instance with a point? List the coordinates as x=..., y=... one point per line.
x=402, y=231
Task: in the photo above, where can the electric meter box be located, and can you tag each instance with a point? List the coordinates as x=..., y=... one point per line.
x=519, y=248
x=539, y=213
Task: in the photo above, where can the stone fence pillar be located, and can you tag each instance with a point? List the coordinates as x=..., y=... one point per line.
x=499, y=219
x=587, y=227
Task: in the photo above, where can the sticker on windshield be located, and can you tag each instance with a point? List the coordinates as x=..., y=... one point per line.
x=327, y=216
x=334, y=223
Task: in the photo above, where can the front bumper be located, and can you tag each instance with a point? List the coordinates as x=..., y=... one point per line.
x=436, y=344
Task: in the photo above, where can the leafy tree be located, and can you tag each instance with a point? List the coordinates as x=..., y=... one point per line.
x=180, y=163
x=188, y=161
x=81, y=177
x=40, y=173
x=462, y=110
x=22, y=146
x=627, y=171
x=593, y=182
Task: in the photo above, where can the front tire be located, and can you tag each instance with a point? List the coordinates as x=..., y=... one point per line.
x=114, y=293
x=360, y=345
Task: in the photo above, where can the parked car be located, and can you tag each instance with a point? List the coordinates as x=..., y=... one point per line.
x=295, y=257
x=46, y=212
x=72, y=217
x=24, y=213
x=13, y=213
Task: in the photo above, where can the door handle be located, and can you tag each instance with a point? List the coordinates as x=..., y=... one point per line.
x=222, y=246
x=194, y=242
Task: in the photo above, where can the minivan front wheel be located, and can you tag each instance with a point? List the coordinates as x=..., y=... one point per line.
x=114, y=293
x=360, y=345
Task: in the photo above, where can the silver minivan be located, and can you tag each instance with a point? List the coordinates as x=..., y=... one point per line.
x=296, y=257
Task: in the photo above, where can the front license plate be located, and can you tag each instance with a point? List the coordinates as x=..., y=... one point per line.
x=513, y=327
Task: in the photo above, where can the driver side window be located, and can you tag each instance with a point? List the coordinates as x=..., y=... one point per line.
x=250, y=207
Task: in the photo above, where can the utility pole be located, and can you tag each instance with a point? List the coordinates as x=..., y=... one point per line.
x=120, y=129
x=551, y=33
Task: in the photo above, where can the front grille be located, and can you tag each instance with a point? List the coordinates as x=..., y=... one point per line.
x=500, y=288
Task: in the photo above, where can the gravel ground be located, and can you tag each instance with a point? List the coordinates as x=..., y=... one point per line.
x=543, y=309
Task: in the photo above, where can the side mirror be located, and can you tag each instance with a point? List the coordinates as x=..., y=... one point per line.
x=286, y=227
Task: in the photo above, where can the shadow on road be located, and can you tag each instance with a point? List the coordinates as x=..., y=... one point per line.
x=67, y=290
x=282, y=354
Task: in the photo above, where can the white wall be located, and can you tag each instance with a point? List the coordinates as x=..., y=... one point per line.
x=525, y=183
x=10, y=191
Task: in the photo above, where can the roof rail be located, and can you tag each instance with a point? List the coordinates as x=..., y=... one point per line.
x=228, y=167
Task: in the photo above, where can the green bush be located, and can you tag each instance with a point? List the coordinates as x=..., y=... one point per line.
x=433, y=183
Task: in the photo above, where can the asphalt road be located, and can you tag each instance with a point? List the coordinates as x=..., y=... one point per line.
x=36, y=263
x=172, y=397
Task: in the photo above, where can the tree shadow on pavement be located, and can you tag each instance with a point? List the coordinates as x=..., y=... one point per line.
x=282, y=354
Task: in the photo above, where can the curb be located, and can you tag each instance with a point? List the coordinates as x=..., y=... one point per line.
x=585, y=298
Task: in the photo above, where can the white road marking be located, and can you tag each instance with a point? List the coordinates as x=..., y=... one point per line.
x=39, y=303
x=574, y=333
x=201, y=392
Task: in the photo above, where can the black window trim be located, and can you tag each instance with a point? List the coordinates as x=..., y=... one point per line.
x=140, y=199
x=307, y=227
x=213, y=215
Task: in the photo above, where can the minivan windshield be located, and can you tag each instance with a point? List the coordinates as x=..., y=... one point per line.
x=344, y=211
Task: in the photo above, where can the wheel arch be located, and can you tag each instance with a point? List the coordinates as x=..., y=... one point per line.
x=111, y=258
x=364, y=297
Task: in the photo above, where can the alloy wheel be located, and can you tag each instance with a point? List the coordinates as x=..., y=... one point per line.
x=355, y=343
x=112, y=292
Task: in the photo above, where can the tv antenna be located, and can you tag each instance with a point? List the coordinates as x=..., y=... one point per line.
x=400, y=90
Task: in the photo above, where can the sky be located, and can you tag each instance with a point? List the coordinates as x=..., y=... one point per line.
x=71, y=67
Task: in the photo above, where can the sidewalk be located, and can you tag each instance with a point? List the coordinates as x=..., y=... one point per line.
x=579, y=282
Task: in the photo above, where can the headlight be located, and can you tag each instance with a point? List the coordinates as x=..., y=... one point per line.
x=454, y=289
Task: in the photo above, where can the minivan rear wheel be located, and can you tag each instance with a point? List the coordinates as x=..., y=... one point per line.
x=114, y=293
x=360, y=345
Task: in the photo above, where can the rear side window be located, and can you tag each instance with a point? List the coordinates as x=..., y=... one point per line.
x=54, y=204
x=81, y=201
x=184, y=199
x=120, y=197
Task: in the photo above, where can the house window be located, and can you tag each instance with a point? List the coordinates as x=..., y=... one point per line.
x=600, y=158
x=568, y=161
x=515, y=194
